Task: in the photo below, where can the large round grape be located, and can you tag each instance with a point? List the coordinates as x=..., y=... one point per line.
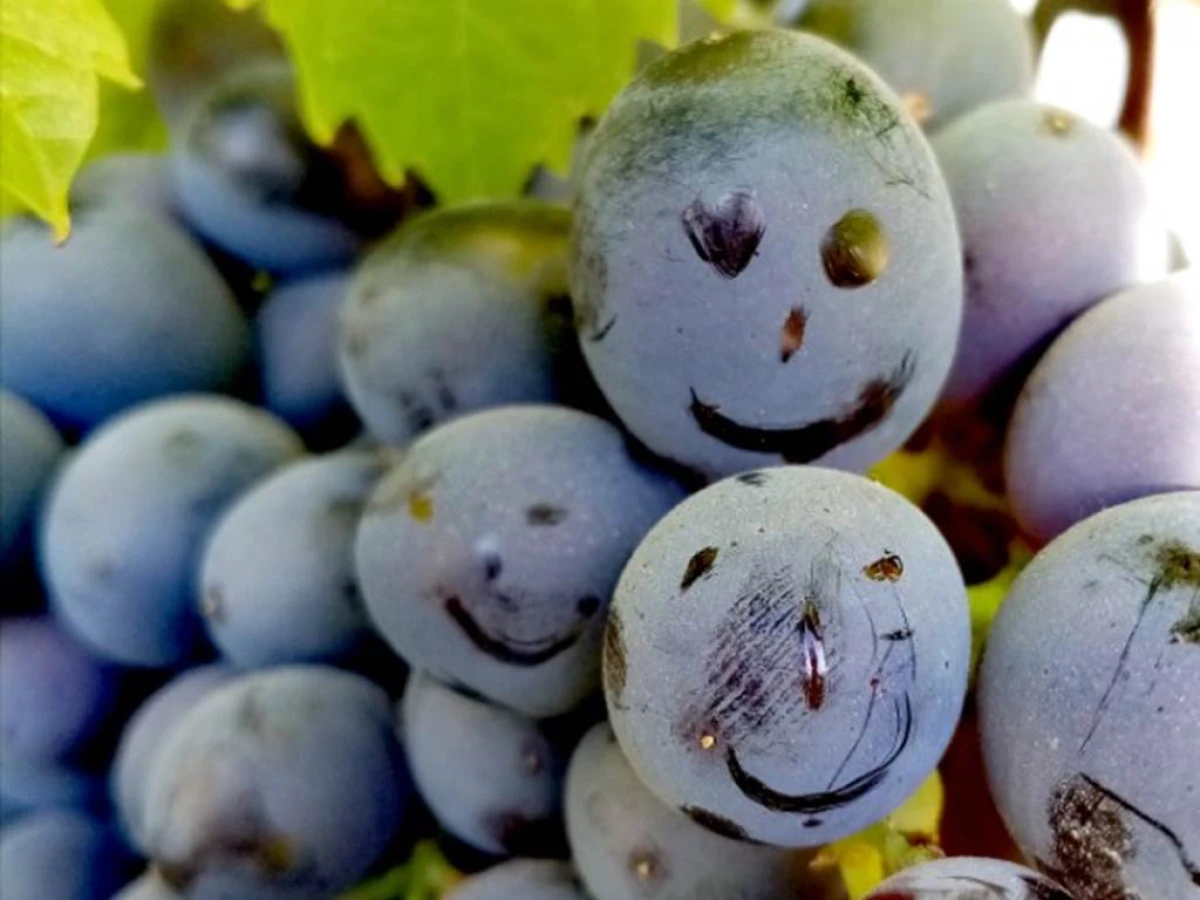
x=128, y=309
x=627, y=845
x=968, y=878
x=289, y=779
x=454, y=313
x=787, y=653
x=1055, y=215
x=1088, y=702
x=1112, y=412
x=61, y=855
x=144, y=734
x=29, y=449
x=277, y=576
x=527, y=879
x=126, y=521
x=249, y=179
x=944, y=57
x=491, y=777
x=765, y=262
x=55, y=696
x=296, y=338
x=489, y=555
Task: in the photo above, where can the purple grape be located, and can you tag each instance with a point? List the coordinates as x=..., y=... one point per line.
x=1088, y=703
x=1112, y=412
x=1055, y=216
x=61, y=855
x=765, y=263
x=487, y=557
x=29, y=450
x=787, y=653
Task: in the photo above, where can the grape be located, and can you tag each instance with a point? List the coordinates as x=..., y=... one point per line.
x=249, y=179
x=128, y=309
x=454, y=313
x=1054, y=213
x=488, y=556
x=968, y=878
x=34, y=786
x=144, y=734
x=61, y=856
x=786, y=654
x=149, y=887
x=944, y=57
x=126, y=521
x=56, y=695
x=277, y=577
x=526, y=879
x=287, y=781
x=1088, y=698
x=1112, y=412
x=627, y=845
x=29, y=449
x=297, y=348
x=492, y=778
x=766, y=266
x=140, y=180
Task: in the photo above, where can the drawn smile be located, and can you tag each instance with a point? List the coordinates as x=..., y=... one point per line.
x=809, y=442
x=506, y=649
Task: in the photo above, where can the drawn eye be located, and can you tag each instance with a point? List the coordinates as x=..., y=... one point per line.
x=855, y=250
x=726, y=234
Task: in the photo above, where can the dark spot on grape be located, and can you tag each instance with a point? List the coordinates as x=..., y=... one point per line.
x=698, y=566
x=1091, y=840
x=1187, y=629
x=506, y=650
x=853, y=92
x=813, y=822
x=350, y=594
x=614, y=656
x=588, y=606
x=1177, y=566
x=182, y=447
x=791, y=336
x=602, y=332
x=855, y=250
x=887, y=568
x=726, y=234
x=720, y=825
x=808, y=443
x=900, y=634
x=753, y=479
x=813, y=663
x=493, y=565
x=545, y=514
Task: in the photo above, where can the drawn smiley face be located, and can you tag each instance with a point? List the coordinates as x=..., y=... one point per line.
x=776, y=279
x=798, y=672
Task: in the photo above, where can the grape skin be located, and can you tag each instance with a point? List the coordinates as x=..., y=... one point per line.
x=945, y=57
x=968, y=878
x=1112, y=411
x=491, y=777
x=29, y=449
x=765, y=263
x=296, y=339
x=56, y=695
x=287, y=782
x=787, y=653
x=1055, y=216
x=145, y=732
x=1088, y=697
x=141, y=180
x=249, y=179
x=488, y=555
x=452, y=314
x=277, y=576
x=524, y=878
x=126, y=521
x=61, y=856
x=149, y=886
x=36, y=786
x=168, y=323
x=628, y=845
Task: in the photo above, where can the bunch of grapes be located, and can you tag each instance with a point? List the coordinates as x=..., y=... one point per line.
x=630, y=549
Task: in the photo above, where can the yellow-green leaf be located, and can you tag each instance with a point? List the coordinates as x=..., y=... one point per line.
x=471, y=94
x=425, y=876
x=52, y=56
x=129, y=120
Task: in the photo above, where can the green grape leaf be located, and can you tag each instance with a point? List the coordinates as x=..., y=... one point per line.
x=130, y=120
x=470, y=94
x=53, y=54
x=425, y=876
